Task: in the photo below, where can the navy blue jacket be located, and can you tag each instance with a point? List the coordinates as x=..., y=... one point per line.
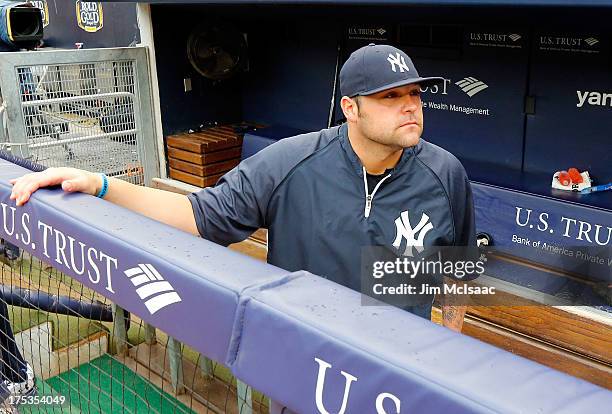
x=309, y=192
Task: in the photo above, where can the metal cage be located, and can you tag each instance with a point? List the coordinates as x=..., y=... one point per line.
x=88, y=109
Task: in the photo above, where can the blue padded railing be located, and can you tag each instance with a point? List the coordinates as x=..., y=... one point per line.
x=302, y=340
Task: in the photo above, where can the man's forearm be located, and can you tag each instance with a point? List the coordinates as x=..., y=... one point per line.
x=452, y=316
x=165, y=206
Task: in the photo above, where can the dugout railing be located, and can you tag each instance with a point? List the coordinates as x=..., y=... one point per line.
x=305, y=342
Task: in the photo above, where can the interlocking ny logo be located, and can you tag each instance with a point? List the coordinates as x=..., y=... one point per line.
x=405, y=231
x=399, y=61
x=471, y=86
x=514, y=37
x=591, y=41
x=152, y=287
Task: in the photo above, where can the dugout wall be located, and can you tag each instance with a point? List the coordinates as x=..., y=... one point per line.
x=531, y=67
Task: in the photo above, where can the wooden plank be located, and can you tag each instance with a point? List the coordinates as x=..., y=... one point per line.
x=543, y=353
x=236, y=140
x=558, y=327
x=546, y=354
x=194, y=179
x=219, y=136
x=581, y=334
x=252, y=248
x=591, y=337
x=203, y=170
x=220, y=133
x=201, y=143
x=260, y=235
x=223, y=129
x=206, y=158
x=174, y=186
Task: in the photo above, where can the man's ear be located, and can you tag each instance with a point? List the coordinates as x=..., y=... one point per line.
x=349, y=108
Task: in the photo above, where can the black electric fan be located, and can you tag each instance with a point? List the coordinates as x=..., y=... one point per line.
x=217, y=51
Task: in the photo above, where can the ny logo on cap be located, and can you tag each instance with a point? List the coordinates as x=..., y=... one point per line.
x=399, y=61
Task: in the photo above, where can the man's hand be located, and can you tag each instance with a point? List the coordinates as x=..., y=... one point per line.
x=71, y=180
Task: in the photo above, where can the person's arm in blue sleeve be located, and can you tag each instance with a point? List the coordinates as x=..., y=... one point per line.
x=235, y=207
x=239, y=203
x=226, y=213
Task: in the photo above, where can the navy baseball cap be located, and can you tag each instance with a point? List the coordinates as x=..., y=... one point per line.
x=375, y=68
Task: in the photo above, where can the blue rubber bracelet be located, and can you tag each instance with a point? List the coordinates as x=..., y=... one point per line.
x=104, y=188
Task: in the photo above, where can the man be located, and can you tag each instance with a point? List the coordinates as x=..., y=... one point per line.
x=324, y=195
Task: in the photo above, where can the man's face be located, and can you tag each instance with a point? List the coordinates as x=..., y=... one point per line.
x=393, y=117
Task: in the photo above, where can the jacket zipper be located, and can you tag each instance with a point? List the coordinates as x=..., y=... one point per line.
x=370, y=197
